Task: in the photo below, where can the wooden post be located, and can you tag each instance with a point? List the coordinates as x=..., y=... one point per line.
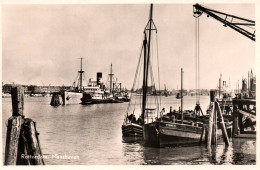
x=211, y=117
x=210, y=129
x=12, y=139
x=21, y=138
x=181, y=96
x=212, y=95
x=206, y=134
x=240, y=119
x=235, y=121
x=202, y=134
x=55, y=101
x=222, y=123
x=215, y=127
x=31, y=142
x=17, y=94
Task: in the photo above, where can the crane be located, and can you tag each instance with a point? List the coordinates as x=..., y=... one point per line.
x=244, y=26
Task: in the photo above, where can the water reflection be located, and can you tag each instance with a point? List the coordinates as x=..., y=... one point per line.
x=94, y=134
x=220, y=154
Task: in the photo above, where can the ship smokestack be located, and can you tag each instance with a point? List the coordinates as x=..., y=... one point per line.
x=99, y=78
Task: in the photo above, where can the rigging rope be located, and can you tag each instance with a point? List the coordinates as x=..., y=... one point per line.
x=157, y=102
x=134, y=83
x=158, y=69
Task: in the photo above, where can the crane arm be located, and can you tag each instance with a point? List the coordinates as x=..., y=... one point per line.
x=228, y=20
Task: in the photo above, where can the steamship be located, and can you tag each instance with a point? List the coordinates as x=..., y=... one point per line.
x=95, y=92
x=74, y=95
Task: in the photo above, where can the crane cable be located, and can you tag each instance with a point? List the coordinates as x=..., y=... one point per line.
x=197, y=61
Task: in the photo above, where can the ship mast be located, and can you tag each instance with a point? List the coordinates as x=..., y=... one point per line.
x=181, y=96
x=111, y=77
x=146, y=58
x=80, y=75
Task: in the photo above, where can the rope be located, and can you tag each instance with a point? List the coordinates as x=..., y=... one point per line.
x=135, y=77
x=140, y=97
x=158, y=68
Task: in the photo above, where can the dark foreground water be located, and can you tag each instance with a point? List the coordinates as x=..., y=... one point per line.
x=91, y=135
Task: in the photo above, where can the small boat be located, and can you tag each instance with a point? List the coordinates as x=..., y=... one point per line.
x=179, y=129
x=133, y=126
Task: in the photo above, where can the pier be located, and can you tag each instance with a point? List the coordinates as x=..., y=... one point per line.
x=243, y=107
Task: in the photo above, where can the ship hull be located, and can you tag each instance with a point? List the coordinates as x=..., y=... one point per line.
x=163, y=134
x=97, y=101
x=71, y=98
x=132, y=130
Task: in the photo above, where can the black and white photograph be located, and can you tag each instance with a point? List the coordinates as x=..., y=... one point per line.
x=129, y=83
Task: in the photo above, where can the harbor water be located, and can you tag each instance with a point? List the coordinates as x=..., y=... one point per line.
x=91, y=135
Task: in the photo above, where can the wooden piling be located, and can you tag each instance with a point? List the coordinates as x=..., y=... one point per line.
x=55, y=100
x=215, y=127
x=240, y=120
x=12, y=139
x=202, y=134
x=21, y=138
x=17, y=94
x=222, y=124
x=211, y=117
x=210, y=129
x=31, y=142
x=236, y=130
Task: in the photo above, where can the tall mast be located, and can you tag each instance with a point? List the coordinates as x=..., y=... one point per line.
x=144, y=76
x=111, y=77
x=146, y=58
x=181, y=96
x=80, y=75
x=219, y=85
x=248, y=84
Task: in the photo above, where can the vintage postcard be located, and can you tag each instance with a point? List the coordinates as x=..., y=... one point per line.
x=129, y=83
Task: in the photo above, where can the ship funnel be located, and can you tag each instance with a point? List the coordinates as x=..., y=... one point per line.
x=99, y=78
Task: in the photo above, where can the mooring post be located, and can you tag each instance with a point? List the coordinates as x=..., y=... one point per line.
x=14, y=126
x=202, y=134
x=31, y=142
x=210, y=129
x=222, y=123
x=12, y=139
x=211, y=117
x=215, y=126
x=235, y=122
x=21, y=139
x=240, y=119
x=17, y=94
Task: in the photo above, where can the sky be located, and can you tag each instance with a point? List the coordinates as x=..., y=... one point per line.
x=42, y=44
